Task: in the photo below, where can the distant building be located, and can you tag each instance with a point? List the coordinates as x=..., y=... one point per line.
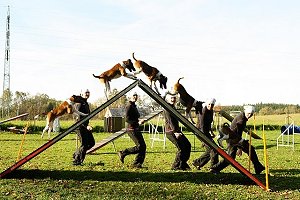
x=114, y=119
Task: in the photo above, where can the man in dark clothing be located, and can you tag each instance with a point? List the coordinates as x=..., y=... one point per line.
x=235, y=143
x=85, y=132
x=204, y=124
x=132, y=119
x=175, y=135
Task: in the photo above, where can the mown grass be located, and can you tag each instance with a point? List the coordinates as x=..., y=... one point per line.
x=51, y=174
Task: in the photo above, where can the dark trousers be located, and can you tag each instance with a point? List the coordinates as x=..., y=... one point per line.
x=209, y=155
x=232, y=149
x=139, y=148
x=87, y=141
x=183, y=146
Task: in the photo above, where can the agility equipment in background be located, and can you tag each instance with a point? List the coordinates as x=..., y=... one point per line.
x=287, y=135
x=12, y=118
x=118, y=134
x=155, y=134
x=230, y=118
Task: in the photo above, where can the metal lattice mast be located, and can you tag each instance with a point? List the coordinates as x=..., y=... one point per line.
x=6, y=78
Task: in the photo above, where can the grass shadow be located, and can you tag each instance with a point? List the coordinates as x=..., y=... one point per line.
x=268, y=146
x=277, y=183
x=132, y=176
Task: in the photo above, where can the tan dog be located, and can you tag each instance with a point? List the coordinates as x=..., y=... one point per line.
x=65, y=107
x=152, y=73
x=117, y=71
x=186, y=100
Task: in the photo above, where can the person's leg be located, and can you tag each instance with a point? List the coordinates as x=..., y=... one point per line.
x=185, y=147
x=173, y=139
x=78, y=155
x=90, y=140
x=224, y=163
x=258, y=167
x=139, y=149
x=140, y=157
x=203, y=159
x=214, y=157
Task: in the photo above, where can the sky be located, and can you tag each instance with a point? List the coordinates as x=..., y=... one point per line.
x=237, y=51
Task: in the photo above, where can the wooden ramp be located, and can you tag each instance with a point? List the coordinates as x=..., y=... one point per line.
x=118, y=134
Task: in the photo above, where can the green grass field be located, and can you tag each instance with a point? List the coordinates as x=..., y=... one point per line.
x=51, y=174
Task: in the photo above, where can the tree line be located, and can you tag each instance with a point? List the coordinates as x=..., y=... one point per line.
x=268, y=108
x=13, y=104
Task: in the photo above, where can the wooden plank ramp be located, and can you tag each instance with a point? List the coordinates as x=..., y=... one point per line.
x=118, y=134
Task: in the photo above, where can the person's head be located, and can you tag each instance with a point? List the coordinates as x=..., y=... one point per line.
x=173, y=100
x=249, y=111
x=134, y=97
x=86, y=94
x=210, y=103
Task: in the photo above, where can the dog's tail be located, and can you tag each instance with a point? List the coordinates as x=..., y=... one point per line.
x=133, y=56
x=97, y=76
x=179, y=79
x=38, y=115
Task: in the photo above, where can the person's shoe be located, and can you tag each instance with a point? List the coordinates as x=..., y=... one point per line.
x=214, y=171
x=175, y=168
x=121, y=156
x=138, y=165
x=185, y=167
x=259, y=170
x=196, y=164
x=77, y=163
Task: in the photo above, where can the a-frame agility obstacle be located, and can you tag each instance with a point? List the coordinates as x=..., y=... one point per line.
x=119, y=133
x=199, y=134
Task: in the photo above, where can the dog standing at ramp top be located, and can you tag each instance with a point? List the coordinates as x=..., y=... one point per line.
x=152, y=73
x=117, y=71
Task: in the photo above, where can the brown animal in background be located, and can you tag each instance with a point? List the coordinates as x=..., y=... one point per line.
x=186, y=100
x=117, y=71
x=152, y=73
x=65, y=107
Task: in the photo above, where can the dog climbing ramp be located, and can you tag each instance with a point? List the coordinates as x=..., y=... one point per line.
x=230, y=118
x=199, y=134
x=69, y=130
x=118, y=134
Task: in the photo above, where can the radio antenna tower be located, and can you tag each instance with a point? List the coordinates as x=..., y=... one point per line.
x=6, y=78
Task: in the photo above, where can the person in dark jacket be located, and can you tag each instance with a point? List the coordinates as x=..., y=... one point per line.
x=236, y=144
x=85, y=131
x=175, y=135
x=205, y=125
x=133, y=122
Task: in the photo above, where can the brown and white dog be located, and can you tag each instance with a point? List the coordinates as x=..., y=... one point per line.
x=66, y=107
x=152, y=73
x=186, y=100
x=117, y=71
